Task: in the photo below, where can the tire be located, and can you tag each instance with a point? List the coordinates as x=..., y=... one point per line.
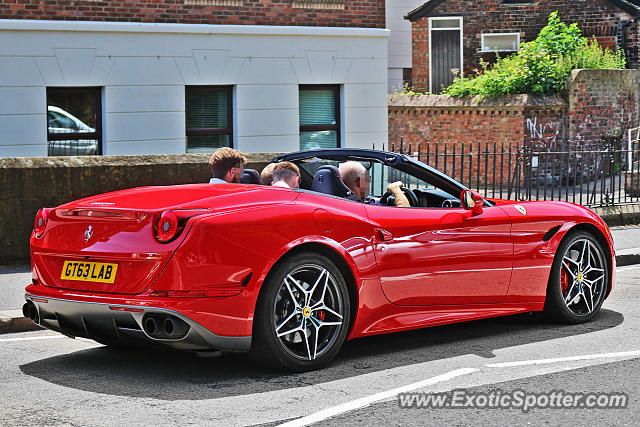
x=306, y=296
x=579, y=279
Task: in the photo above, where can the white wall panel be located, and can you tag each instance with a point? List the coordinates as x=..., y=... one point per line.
x=75, y=64
x=23, y=130
x=50, y=71
x=367, y=71
x=366, y=140
x=302, y=70
x=144, y=71
x=22, y=100
x=144, y=126
x=266, y=71
x=365, y=95
x=19, y=71
x=365, y=119
x=38, y=150
x=267, y=122
x=269, y=144
x=210, y=63
x=265, y=97
x=131, y=99
x=132, y=147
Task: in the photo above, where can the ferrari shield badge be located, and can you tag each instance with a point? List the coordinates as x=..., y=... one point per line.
x=520, y=209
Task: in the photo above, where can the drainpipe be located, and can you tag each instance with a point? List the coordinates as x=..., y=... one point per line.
x=622, y=35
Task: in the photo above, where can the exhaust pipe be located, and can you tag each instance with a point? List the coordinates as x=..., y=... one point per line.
x=175, y=328
x=151, y=326
x=29, y=310
x=169, y=326
x=162, y=326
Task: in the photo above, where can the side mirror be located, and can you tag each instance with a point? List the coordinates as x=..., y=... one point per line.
x=472, y=200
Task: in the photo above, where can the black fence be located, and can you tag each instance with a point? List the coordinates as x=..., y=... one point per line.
x=590, y=175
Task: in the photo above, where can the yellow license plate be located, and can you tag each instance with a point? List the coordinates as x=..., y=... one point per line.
x=89, y=271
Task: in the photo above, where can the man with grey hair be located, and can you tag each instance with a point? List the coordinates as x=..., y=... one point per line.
x=356, y=177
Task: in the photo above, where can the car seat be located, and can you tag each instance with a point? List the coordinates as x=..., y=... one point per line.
x=327, y=180
x=250, y=176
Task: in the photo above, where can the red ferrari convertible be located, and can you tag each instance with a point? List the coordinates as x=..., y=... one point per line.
x=289, y=275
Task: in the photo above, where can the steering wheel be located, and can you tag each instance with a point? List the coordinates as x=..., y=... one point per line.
x=411, y=196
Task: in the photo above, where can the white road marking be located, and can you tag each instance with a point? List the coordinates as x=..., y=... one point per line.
x=48, y=337
x=635, y=353
x=368, y=400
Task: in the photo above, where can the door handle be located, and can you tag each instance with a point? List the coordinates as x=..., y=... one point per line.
x=383, y=235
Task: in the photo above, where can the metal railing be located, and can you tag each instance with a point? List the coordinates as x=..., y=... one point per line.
x=592, y=175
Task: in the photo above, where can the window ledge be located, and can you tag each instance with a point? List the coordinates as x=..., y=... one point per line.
x=499, y=50
x=321, y=4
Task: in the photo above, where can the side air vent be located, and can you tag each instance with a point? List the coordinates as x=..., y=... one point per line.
x=549, y=234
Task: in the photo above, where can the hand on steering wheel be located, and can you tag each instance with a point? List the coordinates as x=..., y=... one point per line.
x=413, y=200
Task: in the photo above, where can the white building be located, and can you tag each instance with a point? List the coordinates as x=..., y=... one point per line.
x=133, y=88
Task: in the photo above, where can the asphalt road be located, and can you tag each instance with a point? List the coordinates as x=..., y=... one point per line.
x=13, y=280
x=50, y=379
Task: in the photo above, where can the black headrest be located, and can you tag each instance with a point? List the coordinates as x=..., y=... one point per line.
x=327, y=180
x=250, y=176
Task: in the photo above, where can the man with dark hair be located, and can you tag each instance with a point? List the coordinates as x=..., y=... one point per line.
x=227, y=166
x=286, y=174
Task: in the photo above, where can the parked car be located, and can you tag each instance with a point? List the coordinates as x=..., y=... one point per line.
x=289, y=275
x=60, y=121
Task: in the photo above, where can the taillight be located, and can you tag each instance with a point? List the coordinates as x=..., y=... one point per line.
x=171, y=223
x=41, y=221
x=167, y=227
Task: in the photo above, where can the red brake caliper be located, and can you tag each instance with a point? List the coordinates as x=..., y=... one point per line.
x=564, y=281
x=321, y=315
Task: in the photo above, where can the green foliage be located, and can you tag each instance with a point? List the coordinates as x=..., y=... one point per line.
x=541, y=66
x=407, y=90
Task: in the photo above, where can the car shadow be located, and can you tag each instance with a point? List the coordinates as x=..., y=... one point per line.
x=168, y=375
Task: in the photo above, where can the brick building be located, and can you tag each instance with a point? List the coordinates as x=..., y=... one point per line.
x=176, y=76
x=455, y=35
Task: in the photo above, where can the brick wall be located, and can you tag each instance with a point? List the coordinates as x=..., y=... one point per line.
x=602, y=104
x=427, y=123
x=595, y=17
x=326, y=13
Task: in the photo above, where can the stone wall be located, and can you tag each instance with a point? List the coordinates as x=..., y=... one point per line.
x=316, y=13
x=28, y=184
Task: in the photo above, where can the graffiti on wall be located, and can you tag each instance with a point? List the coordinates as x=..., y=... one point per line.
x=543, y=132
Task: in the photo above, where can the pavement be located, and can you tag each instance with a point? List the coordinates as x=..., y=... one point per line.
x=13, y=279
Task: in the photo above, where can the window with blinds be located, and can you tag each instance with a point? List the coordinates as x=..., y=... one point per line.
x=319, y=117
x=208, y=118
